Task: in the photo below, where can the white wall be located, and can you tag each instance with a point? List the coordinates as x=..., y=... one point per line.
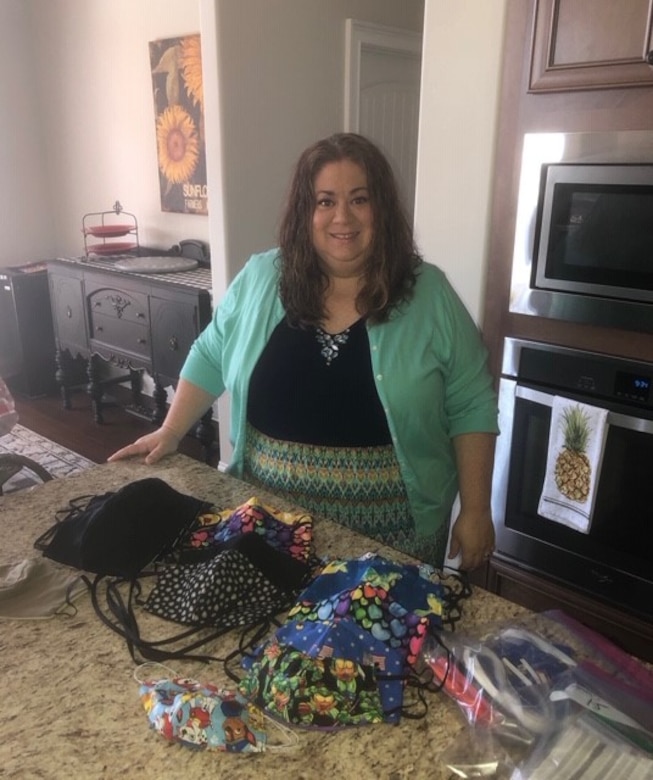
x=463, y=43
x=89, y=76
x=80, y=92
x=26, y=222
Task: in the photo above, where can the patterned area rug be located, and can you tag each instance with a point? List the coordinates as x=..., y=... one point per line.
x=59, y=461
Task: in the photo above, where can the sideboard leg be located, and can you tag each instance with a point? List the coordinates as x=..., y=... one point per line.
x=62, y=363
x=136, y=383
x=205, y=432
x=160, y=403
x=94, y=389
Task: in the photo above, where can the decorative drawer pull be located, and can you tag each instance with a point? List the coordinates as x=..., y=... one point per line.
x=140, y=315
x=141, y=341
x=173, y=344
x=99, y=329
x=69, y=312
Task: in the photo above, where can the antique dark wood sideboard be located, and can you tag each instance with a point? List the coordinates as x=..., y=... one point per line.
x=133, y=321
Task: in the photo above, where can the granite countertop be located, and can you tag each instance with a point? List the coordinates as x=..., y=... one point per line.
x=70, y=702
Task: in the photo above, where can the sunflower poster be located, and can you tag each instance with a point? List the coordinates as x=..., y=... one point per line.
x=176, y=65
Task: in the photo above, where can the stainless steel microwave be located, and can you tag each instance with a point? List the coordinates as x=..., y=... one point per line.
x=584, y=234
x=594, y=231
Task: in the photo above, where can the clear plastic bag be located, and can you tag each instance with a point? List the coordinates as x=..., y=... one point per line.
x=584, y=749
x=525, y=686
x=501, y=680
x=622, y=712
x=478, y=753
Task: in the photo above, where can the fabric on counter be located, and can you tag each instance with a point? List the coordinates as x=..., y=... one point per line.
x=37, y=588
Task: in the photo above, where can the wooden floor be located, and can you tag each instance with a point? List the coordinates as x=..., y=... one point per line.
x=76, y=429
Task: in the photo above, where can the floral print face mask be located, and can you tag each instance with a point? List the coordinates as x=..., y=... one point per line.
x=343, y=656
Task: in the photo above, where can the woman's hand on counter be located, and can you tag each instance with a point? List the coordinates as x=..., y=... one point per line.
x=154, y=446
x=473, y=537
x=189, y=403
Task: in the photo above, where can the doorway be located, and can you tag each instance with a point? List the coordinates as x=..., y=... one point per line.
x=382, y=93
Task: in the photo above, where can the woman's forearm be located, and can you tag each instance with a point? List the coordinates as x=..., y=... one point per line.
x=472, y=535
x=475, y=462
x=189, y=403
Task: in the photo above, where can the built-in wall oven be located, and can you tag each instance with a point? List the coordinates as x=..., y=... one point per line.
x=614, y=560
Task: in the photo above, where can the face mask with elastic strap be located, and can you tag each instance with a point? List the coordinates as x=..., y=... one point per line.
x=346, y=653
x=121, y=532
x=204, y=716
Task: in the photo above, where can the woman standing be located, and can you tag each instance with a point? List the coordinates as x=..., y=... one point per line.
x=358, y=380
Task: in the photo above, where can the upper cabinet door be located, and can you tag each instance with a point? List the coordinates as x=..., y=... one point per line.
x=591, y=44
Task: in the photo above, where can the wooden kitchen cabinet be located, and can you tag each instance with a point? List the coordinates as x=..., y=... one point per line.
x=591, y=44
x=517, y=584
x=134, y=322
x=564, y=98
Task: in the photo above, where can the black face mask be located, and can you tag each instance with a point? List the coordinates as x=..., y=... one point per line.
x=122, y=532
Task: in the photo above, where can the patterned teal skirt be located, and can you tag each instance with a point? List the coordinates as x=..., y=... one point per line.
x=358, y=487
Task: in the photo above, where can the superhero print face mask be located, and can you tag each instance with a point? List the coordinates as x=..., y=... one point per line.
x=203, y=716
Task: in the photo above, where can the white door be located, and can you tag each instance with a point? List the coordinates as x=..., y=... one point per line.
x=382, y=95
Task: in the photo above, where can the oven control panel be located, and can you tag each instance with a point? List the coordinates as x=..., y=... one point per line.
x=632, y=387
x=598, y=376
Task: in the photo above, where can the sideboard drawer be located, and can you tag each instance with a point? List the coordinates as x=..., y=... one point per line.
x=110, y=334
x=127, y=306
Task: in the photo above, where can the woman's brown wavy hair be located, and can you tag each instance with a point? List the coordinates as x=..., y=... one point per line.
x=391, y=270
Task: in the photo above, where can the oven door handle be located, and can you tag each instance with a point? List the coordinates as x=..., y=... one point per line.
x=614, y=419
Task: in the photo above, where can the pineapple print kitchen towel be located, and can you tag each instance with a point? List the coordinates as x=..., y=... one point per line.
x=573, y=466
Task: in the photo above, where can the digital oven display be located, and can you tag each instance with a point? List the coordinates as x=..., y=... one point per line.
x=636, y=387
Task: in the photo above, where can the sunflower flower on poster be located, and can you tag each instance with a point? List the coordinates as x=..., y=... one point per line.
x=176, y=65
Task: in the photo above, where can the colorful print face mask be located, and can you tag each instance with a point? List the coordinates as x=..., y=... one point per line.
x=202, y=716
x=343, y=656
x=288, y=532
x=322, y=689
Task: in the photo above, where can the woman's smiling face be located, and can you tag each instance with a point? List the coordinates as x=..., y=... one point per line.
x=342, y=229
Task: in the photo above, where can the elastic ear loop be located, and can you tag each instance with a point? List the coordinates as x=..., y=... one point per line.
x=292, y=739
x=170, y=673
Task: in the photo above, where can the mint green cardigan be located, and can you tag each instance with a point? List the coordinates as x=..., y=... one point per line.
x=429, y=368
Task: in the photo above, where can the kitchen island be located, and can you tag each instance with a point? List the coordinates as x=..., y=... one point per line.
x=71, y=707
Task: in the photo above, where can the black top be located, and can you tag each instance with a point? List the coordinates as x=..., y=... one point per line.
x=302, y=391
